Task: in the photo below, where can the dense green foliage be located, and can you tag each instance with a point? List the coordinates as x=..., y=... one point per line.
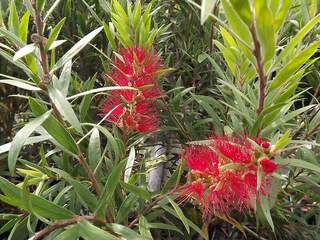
x=232, y=66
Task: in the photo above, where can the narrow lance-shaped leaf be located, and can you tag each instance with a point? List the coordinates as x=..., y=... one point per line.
x=109, y=188
x=21, y=137
x=64, y=107
x=54, y=34
x=206, y=8
x=76, y=49
x=22, y=52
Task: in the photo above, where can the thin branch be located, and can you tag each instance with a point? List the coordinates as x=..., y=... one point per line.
x=260, y=70
x=62, y=224
x=89, y=171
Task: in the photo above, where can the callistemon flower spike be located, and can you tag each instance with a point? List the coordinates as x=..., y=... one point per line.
x=135, y=67
x=224, y=175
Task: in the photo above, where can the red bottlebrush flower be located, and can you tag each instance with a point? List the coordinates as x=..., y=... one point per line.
x=268, y=166
x=262, y=143
x=233, y=186
x=113, y=106
x=197, y=189
x=135, y=67
x=201, y=158
x=235, y=149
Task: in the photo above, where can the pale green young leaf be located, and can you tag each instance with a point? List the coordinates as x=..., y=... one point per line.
x=13, y=20
x=129, y=165
x=62, y=84
x=265, y=29
x=238, y=26
x=94, y=150
x=20, y=84
x=23, y=33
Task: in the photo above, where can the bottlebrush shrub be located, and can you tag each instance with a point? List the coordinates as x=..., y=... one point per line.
x=134, y=110
x=229, y=174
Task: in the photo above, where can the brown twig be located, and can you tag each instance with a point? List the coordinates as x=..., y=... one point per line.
x=89, y=171
x=260, y=70
x=39, y=39
x=61, y=224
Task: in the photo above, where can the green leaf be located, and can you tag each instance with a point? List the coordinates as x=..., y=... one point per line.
x=236, y=23
x=20, y=138
x=165, y=226
x=49, y=12
x=138, y=191
x=264, y=204
x=54, y=34
x=22, y=52
x=298, y=163
x=23, y=34
x=243, y=9
x=89, y=232
x=180, y=214
x=13, y=20
x=40, y=206
x=72, y=233
x=124, y=231
x=62, y=84
x=64, y=107
x=82, y=191
x=110, y=37
x=76, y=49
x=298, y=38
x=206, y=9
x=129, y=165
x=293, y=66
x=191, y=224
x=144, y=228
x=20, y=84
x=109, y=188
x=54, y=127
x=40, y=4
x=94, y=150
x=283, y=141
x=265, y=29
x=281, y=14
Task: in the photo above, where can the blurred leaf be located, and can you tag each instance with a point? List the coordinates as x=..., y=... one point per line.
x=283, y=141
x=20, y=84
x=124, y=231
x=236, y=23
x=90, y=232
x=22, y=52
x=180, y=214
x=138, y=191
x=206, y=9
x=23, y=34
x=298, y=163
x=144, y=228
x=243, y=9
x=129, y=165
x=13, y=20
x=264, y=204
